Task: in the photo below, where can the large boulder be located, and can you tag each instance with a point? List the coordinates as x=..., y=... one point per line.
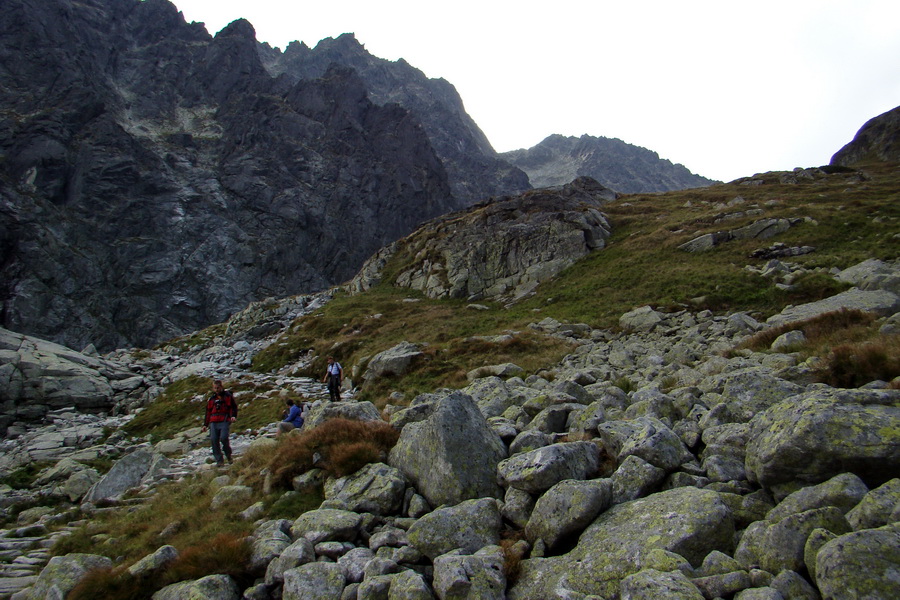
x=816, y=435
x=468, y=526
x=882, y=302
x=313, y=581
x=566, y=509
x=479, y=576
x=211, y=587
x=687, y=521
x=128, y=472
x=864, y=564
x=358, y=411
x=452, y=454
x=376, y=488
x=63, y=573
x=541, y=469
x=393, y=361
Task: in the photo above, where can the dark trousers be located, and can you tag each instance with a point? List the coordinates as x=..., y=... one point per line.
x=218, y=436
x=334, y=388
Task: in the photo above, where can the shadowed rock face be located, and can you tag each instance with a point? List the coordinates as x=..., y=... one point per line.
x=878, y=139
x=153, y=179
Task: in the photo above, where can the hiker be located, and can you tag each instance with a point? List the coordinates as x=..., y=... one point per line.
x=291, y=418
x=221, y=412
x=334, y=375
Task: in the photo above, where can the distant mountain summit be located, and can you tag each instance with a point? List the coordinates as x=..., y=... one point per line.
x=617, y=165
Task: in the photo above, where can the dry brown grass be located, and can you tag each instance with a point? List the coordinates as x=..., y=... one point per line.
x=853, y=365
x=342, y=446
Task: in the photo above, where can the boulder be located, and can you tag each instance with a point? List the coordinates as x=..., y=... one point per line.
x=479, y=576
x=647, y=438
x=451, y=455
x=313, y=581
x=816, y=435
x=863, y=564
x=393, y=361
x=128, y=472
x=882, y=302
x=327, y=524
x=154, y=563
x=376, y=488
x=566, y=509
x=358, y=411
x=469, y=526
x=300, y=552
x=541, y=469
x=650, y=584
x=687, y=521
x=876, y=507
x=63, y=573
x=211, y=587
x=643, y=318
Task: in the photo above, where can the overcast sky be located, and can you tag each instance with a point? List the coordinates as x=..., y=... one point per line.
x=726, y=88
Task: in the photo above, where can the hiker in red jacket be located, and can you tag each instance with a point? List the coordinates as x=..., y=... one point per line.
x=221, y=412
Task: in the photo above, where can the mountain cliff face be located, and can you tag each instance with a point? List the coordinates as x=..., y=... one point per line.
x=154, y=180
x=878, y=140
x=474, y=170
x=622, y=167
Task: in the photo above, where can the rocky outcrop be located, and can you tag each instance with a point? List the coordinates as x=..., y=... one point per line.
x=617, y=165
x=37, y=376
x=877, y=140
x=503, y=248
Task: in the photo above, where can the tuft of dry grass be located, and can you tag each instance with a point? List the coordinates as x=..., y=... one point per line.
x=818, y=329
x=339, y=446
x=226, y=554
x=853, y=365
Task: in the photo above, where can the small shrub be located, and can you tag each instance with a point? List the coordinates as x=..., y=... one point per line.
x=345, y=459
x=114, y=583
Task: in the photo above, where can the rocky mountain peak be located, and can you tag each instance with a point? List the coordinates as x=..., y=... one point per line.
x=618, y=165
x=878, y=139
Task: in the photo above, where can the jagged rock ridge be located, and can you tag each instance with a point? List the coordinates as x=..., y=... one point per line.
x=155, y=179
x=617, y=165
x=473, y=167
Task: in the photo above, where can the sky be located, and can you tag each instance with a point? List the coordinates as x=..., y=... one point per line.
x=726, y=88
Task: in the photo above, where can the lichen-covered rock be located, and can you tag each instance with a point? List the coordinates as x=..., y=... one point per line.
x=566, y=509
x=63, y=573
x=409, y=585
x=541, y=469
x=650, y=584
x=452, y=454
x=842, y=491
x=469, y=526
x=875, y=509
x=357, y=411
x=863, y=564
x=126, y=473
x=376, y=488
x=816, y=435
x=635, y=478
x=393, y=361
x=479, y=576
x=268, y=542
x=687, y=521
x=313, y=581
x=300, y=552
x=793, y=587
x=327, y=524
x=211, y=587
x=231, y=494
x=155, y=562
x=647, y=438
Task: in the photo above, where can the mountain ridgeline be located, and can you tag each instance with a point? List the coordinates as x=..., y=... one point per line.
x=155, y=179
x=623, y=167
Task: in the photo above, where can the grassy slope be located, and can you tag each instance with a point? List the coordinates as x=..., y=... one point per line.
x=846, y=219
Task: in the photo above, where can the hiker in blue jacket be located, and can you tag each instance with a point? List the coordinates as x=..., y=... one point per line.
x=292, y=418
